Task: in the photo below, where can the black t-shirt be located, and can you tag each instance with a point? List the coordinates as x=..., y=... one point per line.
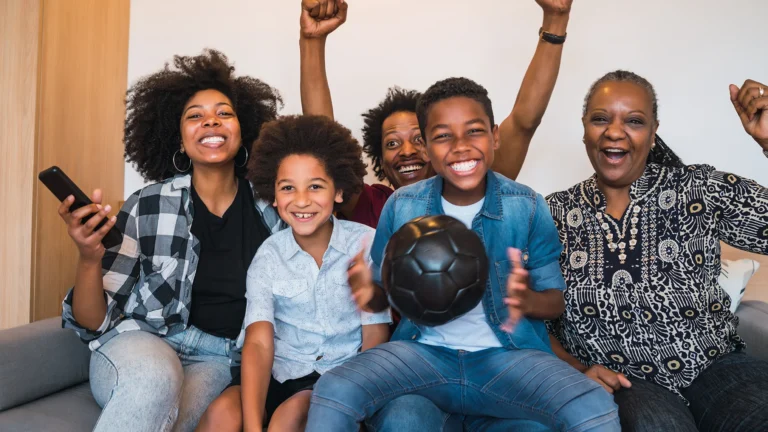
x=227, y=246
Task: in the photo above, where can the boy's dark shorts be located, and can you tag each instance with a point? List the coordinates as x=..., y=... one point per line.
x=279, y=392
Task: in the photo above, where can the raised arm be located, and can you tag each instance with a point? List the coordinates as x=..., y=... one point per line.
x=743, y=220
x=517, y=130
x=318, y=19
x=751, y=104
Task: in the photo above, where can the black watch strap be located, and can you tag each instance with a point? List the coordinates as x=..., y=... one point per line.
x=552, y=38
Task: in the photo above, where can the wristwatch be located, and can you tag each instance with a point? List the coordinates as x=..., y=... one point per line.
x=551, y=38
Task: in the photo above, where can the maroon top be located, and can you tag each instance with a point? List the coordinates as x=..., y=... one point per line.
x=370, y=204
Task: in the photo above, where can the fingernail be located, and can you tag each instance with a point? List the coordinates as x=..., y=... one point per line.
x=113, y=218
x=108, y=208
x=98, y=206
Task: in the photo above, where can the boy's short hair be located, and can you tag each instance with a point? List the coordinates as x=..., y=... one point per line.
x=317, y=136
x=449, y=88
x=397, y=100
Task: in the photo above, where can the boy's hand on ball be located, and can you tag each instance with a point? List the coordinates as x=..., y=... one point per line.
x=360, y=281
x=518, y=291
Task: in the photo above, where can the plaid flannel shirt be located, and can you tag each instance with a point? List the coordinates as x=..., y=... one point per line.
x=148, y=277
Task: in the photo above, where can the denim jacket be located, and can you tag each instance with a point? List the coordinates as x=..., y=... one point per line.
x=513, y=215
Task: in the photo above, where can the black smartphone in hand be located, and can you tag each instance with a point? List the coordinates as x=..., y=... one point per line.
x=62, y=187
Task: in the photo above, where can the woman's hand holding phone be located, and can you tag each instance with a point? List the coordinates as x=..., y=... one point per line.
x=87, y=239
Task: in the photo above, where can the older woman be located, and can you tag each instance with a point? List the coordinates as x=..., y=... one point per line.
x=162, y=310
x=641, y=260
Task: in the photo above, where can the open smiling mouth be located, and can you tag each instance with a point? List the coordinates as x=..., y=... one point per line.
x=411, y=168
x=213, y=141
x=614, y=155
x=303, y=216
x=463, y=167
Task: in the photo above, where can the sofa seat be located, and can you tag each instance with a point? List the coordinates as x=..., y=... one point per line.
x=69, y=410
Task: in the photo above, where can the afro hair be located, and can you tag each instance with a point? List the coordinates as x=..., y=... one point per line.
x=397, y=100
x=450, y=88
x=317, y=136
x=155, y=103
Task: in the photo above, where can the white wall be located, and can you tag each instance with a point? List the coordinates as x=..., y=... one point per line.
x=689, y=49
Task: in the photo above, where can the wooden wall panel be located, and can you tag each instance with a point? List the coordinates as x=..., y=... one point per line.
x=84, y=66
x=19, y=36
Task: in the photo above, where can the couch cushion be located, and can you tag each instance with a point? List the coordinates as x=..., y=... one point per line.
x=753, y=327
x=72, y=409
x=734, y=278
x=39, y=359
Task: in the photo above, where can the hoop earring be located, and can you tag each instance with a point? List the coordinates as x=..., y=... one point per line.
x=246, y=157
x=177, y=167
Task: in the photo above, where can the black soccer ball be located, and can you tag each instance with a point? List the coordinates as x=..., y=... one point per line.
x=434, y=270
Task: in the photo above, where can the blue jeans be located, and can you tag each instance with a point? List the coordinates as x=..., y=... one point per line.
x=412, y=413
x=498, y=383
x=730, y=395
x=147, y=383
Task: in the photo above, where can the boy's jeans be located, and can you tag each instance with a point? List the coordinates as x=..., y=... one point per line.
x=496, y=382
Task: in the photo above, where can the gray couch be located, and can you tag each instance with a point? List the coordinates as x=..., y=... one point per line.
x=44, y=373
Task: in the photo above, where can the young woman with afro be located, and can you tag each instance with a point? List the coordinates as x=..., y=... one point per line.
x=162, y=311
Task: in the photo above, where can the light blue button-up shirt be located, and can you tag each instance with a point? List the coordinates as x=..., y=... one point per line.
x=317, y=324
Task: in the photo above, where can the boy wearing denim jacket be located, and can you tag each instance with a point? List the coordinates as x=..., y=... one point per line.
x=494, y=364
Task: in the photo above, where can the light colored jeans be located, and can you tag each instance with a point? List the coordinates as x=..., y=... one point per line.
x=147, y=383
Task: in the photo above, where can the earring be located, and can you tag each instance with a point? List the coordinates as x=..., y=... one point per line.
x=176, y=166
x=245, y=162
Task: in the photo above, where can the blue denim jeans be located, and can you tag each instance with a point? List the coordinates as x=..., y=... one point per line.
x=147, y=383
x=730, y=395
x=412, y=413
x=497, y=383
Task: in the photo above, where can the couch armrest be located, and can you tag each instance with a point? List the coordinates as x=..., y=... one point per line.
x=753, y=327
x=39, y=359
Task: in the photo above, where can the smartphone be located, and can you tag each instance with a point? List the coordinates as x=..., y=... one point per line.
x=62, y=187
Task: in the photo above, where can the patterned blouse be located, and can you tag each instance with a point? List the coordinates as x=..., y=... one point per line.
x=642, y=295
